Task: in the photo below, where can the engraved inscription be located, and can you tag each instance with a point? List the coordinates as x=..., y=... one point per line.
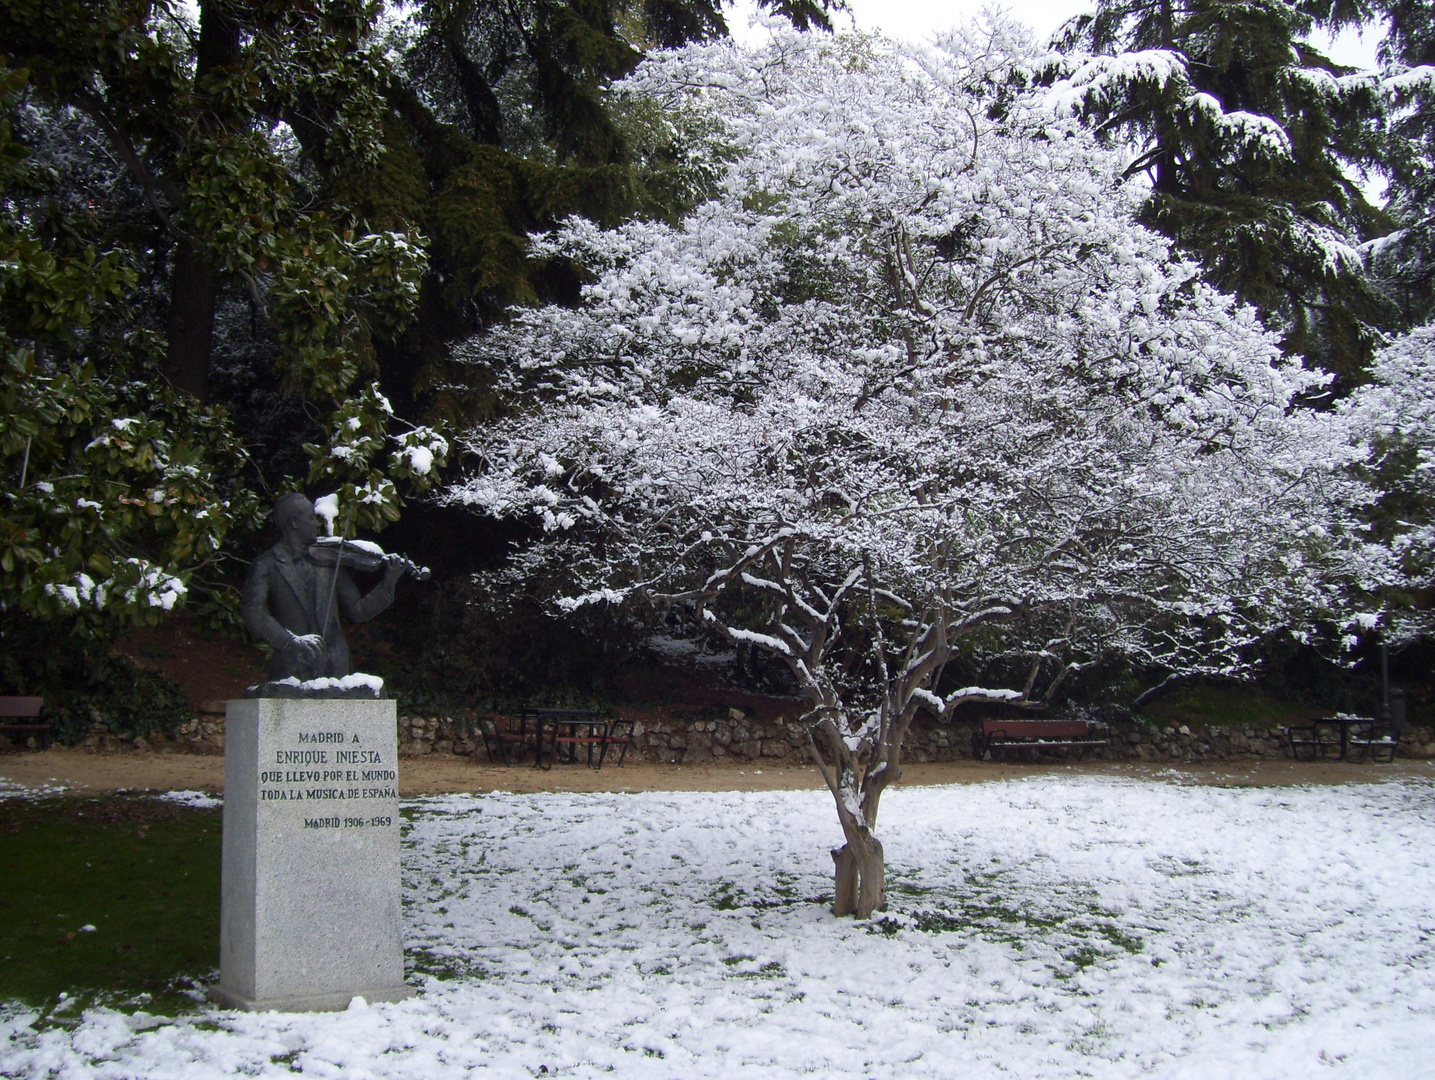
x=301, y=757
x=356, y=757
x=378, y=821
x=324, y=782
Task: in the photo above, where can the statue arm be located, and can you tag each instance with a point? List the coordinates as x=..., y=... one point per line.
x=358, y=608
x=254, y=606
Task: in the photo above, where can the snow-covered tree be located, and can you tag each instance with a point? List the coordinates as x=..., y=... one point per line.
x=915, y=387
x=1395, y=415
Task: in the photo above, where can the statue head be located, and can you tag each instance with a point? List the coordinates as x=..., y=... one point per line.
x=293, y=515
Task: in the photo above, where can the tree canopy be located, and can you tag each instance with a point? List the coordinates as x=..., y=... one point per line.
x=1395, y=416
x=914, y=393
x=240, y=246
x=1404, y=261
x=151, y=163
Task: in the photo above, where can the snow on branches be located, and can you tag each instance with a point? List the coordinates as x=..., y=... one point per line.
x=1099, y=88
x=913, y=383
x=1395, y=415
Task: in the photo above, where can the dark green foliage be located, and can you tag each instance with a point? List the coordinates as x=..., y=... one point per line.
x=274, y=421
x=1410, y=37
x=81, y=681
x=198, y=162
x=1405, y=263
x=144, y=873
x=239, y=206
x=503, y=126
x=532, y=77
x=118, y=492
x=470, y=648
x=1278, y=227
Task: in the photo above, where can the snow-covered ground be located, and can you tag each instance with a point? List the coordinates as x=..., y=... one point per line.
x=1051, y=927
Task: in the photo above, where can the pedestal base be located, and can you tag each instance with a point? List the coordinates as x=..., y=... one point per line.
x=309, y=909
x=312, y=1003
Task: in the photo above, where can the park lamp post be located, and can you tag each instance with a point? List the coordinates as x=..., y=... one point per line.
x=1392, y=704
x=1384, y=715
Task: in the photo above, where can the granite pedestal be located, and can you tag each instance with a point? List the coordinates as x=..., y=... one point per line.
x=309, y=909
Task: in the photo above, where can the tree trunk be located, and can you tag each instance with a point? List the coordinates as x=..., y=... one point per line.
x=192, y=290
x=860, y=865
x=191, y=321
x=861, y=877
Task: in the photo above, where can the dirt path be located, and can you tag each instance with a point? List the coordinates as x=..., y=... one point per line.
x=81, y=772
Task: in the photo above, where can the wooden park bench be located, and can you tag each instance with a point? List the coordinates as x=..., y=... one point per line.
x=620, y=734
x=24, y=717
x=995, y=737
x=558, y=735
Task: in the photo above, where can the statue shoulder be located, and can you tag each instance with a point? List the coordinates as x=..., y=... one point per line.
x=264, y=563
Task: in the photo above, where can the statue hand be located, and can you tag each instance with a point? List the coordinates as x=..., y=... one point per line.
x=307, y=647
x=394, y=568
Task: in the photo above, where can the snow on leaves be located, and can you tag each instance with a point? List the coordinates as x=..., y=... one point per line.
x=915, y=371
x=359, y=434
x=889, y=334
x=1395, y=415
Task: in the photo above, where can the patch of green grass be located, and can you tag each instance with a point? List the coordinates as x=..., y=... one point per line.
x=143, y=873
x=443, y=967
x=936, y=922
x=1084, y=956
x=908, y=889
x=770, y=970
x=1225, y=705
x=1082, y=933
x=727, y=897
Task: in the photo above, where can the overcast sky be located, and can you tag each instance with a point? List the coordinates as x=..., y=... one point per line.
x=916, y=19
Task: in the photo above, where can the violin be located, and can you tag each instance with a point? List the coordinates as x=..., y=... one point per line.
x=360, y=555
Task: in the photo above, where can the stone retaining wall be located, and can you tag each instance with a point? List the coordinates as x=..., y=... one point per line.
x=737, y=735
x=201, y=734
x=740, y=736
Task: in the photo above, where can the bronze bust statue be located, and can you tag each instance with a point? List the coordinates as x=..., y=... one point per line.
x=293, y=601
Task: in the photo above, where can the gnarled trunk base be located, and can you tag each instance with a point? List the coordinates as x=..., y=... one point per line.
x=861, y=872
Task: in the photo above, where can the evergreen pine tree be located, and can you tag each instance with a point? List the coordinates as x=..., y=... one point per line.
x=1253, y=143
x=1404, y=262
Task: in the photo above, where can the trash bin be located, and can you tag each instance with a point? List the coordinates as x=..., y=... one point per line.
x=1399, y=725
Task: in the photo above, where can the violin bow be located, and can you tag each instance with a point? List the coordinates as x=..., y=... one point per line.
x=333, y=588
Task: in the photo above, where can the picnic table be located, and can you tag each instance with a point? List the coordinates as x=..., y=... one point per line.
x=553, y=735
x=1342, y=733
